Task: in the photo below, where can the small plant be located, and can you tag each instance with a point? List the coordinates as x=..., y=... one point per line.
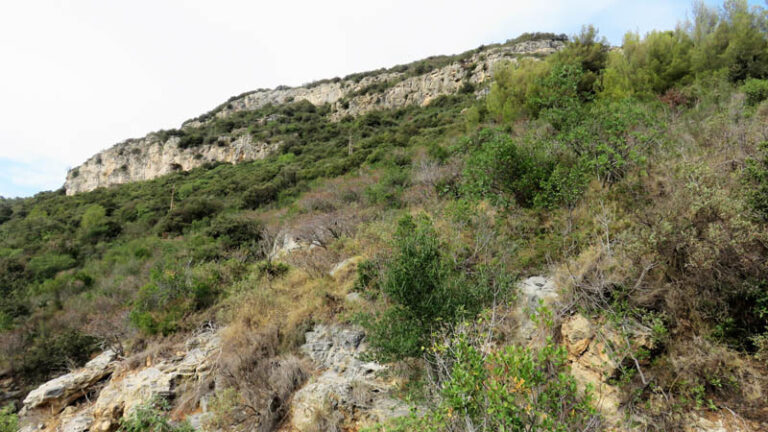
x=9, y=421
x=152, y=417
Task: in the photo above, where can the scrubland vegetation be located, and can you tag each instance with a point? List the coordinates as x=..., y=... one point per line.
x=637, y=176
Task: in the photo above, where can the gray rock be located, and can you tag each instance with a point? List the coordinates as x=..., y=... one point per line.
x=59, y=392
x=347, y=387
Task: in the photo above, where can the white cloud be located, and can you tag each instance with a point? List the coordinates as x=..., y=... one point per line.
x=79, y=76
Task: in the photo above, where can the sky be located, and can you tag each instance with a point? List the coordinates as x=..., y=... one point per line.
x=77, y=76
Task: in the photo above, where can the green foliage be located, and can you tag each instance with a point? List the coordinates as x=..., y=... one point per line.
x=51, y=353
x=9, y=421
x=511, y=389
x=513, y=88
x=152, y=417
x=47, y=265
x=731, y=40
x=235, y=229
x=648, y=66
x=756, y=90
x=756, y=178
x=589, y=53
x=529, y=172
x=424, y=292
x=173, y=292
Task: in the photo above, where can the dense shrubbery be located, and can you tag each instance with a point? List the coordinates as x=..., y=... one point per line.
x=174, y=291
x=9, y=422
x=510, y=389
x=424, y=291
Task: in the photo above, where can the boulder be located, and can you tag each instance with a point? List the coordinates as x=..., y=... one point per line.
x=61, y=391
x=124, y=394
x=347, y=389
x=533, y=292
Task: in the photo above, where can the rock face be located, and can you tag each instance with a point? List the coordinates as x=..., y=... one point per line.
x=57, y=404
x=150, y=157
x=122, y=395
x=59, y=392
x=403, y=89
x=534, y=292
x=348, y=391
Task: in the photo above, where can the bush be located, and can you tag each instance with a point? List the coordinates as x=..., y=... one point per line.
x=9, y=421
x=235, y=230
x=510, y=389
x=423, y=289
x=260, y=195
x=47, y=265
x=49, y=354
x=527, y=172
x=186, y=212
x=152, y=417
x=756, y=177
x=173, y=293
x=756, y=90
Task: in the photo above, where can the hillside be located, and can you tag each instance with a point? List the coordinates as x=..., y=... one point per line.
x=544, y=234
x=234, y=132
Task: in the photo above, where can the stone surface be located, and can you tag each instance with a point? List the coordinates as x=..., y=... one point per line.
x=347, y=387
x=59, y=392
x=533, y=292
x=149, y=157
x=77, y=421
x=344, y=267
x=124, y=394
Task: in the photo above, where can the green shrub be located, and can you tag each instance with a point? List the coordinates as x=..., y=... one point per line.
x=51, y=353
x=173, y=292
x=187, y=212
x=648, y=66
x=528, y=173
x=424, y=292
x=756, y=179
x=152, y=417
x=47, y=265
x=235, y=230
x=756, y=90
x=512, y=389
x=9, y=421
x=260, y=195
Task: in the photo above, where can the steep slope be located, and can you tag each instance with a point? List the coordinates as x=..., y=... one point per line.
x=160, y=154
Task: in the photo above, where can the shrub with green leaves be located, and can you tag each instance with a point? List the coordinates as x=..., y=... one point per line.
x=512, y=389
x=152, y=417
x=9, y=421
x=756, y=90
x=423, y=290
x=173, y=292
x=756, y=178
x=527, y=172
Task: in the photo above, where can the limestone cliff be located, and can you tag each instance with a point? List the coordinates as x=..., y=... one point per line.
x=152, y=156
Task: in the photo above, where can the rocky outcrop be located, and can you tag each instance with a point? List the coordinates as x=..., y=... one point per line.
x=348, y=391
x=150, y=157
x=61, y=404
x=403, y=89
x=534, y=292
x=60, y=392
x=123, y=394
